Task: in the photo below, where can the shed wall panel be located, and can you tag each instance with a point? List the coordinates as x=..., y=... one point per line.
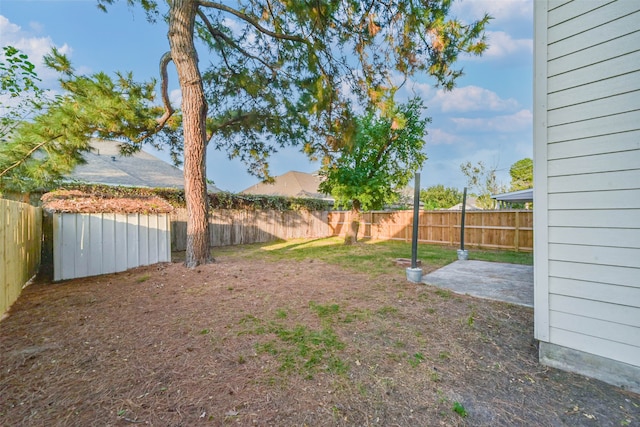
x=133, y=241
x=122, y=243
x=93, y=244
x=68, y=246
x=96, y=245
x=143, y=239
x=153, y=239
x=109, y=244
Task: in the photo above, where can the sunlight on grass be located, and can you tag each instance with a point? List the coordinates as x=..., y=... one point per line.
x=369, y=256
x=374, y=257
x=299, y=244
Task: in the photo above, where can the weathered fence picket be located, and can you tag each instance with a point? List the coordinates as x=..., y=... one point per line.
x=501, y=229
x=20, y=239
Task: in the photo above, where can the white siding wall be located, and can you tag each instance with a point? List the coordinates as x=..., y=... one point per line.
x=587, y=124
x=93, y=244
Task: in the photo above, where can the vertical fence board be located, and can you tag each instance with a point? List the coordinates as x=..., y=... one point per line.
x=20, y=246
x=5, y=300
x=233, y=227
x=502, y=229
x=487, y=229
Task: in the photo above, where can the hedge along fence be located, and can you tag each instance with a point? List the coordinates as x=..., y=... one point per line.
x=20, y=240
x=234, y=218
x=241, y=226
x=501, y=229
x=92, y=236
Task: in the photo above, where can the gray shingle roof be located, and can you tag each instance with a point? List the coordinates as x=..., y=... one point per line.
x=290, y=184
x=106, y=166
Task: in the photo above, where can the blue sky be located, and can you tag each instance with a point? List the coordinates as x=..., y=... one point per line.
x=488, y=117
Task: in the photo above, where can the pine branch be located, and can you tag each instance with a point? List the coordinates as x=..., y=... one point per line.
x=253, y=22
x=28, y=155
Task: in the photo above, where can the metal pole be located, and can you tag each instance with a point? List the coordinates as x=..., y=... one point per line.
x=416, y=212
x=464, y=210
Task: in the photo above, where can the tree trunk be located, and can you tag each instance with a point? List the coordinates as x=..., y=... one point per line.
x=351, y=237
x=194, y=113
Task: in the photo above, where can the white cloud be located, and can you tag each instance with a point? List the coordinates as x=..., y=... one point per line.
x=502, y=45
x=175, y=97
x=35, y=47
x=471, y=98
x=517, y=122
x=440, y=137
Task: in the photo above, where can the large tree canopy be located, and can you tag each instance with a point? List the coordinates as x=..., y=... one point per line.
x=256, y=75
x=439, y=197
x=372, y=169
x=521, y=174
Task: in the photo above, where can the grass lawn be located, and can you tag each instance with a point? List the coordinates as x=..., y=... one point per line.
x=373, y=257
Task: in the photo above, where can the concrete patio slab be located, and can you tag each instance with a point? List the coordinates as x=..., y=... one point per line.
x=493, y=280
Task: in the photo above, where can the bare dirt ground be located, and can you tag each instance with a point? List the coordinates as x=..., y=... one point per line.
x=252, y=342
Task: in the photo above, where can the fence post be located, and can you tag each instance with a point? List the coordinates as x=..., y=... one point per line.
x=516, y=242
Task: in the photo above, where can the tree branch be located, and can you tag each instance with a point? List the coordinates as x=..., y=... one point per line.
x=251, y=21
x=28, y=155
x=164, y=90
x=164, y=84
x=218, y=34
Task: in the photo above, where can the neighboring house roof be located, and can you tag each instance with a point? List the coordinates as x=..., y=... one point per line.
x=471, y=205
x=106, y=166
x=290, y=184
x=522, y=196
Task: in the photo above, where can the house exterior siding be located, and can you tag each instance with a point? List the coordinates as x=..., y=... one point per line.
x=587, y=188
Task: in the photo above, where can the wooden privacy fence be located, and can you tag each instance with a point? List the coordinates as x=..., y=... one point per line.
x=20, y=240
x=88, y=244
x=501, y=229
x=234, y=227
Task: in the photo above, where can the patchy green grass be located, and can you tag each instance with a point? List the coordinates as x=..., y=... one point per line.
x=299, y=348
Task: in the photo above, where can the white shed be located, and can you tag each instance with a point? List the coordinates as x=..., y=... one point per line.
x=587, y=187
x=101, y=235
